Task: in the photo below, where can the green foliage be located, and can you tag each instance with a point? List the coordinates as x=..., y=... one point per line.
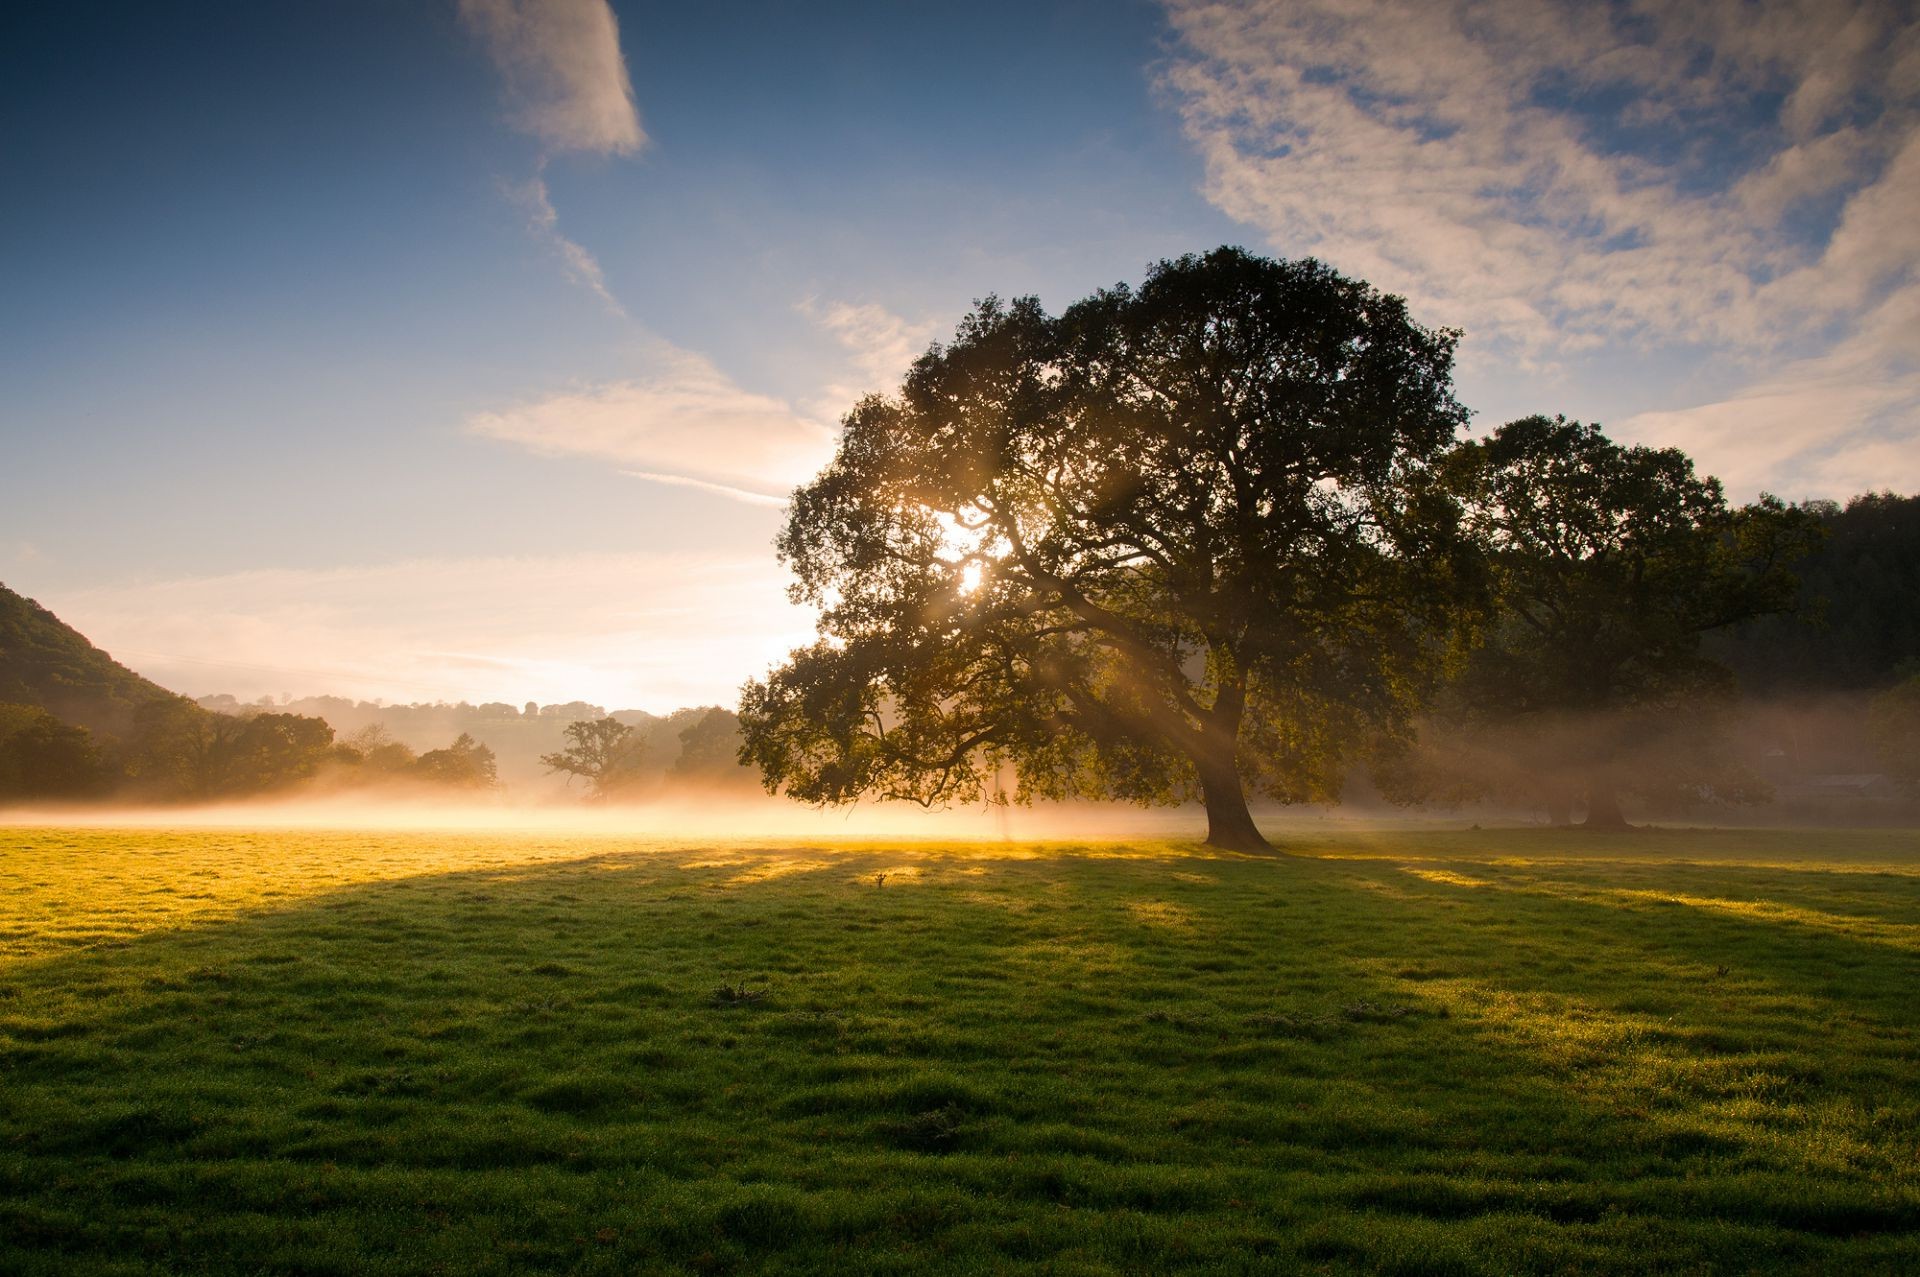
x=605, y=752
x=44, y=758
x=710, y=749
x=1893, y=724
x=1607, y=566
x=45, y=662
x=181, y=751
x=1176, y=537
x=1855, y=623
x=1509, y=1052
x=465, y=764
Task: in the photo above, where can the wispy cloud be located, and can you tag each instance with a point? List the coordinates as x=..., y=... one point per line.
x=1563, y=177
x=641, y=630
x=566, y=78
x=880, y=347
x=582, y=267
x=1841, y=422
x=683, y=421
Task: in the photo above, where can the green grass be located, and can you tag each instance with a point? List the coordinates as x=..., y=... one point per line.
x=1457, y=1052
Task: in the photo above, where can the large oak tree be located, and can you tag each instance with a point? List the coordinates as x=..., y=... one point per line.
x=1177, y=540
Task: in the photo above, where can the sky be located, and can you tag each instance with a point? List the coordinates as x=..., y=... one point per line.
x=465, y=349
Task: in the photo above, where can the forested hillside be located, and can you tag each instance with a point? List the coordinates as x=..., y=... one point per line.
x=47, y=663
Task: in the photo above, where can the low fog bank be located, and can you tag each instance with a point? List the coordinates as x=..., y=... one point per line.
x=715, y=815
x=1812, y=758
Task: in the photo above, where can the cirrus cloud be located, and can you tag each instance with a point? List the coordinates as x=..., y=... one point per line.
x=683, y=421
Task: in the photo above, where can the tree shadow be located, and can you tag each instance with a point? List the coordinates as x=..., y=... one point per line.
x=1145, y=1062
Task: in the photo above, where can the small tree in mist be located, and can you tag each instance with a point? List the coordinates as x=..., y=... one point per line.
x=1608, y=565
x=1177, y=540
x=465, y=764
x=710, y=750
x=604, y=752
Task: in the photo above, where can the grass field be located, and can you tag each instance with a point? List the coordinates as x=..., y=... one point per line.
x=1453, y=1052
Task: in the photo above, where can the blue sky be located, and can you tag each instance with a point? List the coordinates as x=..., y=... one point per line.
x=337, y=337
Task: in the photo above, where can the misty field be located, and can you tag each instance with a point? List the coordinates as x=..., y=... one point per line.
x=1452, y=1052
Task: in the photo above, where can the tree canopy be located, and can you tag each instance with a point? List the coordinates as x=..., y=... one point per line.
x=604, y=752
x=1608, y=564
x=1178, y=539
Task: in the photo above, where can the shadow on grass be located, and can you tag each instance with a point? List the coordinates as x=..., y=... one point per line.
x=895, y=1061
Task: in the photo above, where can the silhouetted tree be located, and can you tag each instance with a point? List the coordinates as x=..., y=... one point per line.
x=465, y=764
x=1856, y=618
x=1177, y=539
x=272, y=751
x=179, y=750
x=710, y=748
x=1608, y=564
x=604, y=752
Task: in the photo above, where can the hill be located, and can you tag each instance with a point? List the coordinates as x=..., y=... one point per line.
x=46, y=662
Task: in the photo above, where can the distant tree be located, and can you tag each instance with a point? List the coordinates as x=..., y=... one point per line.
x=43, y=758
x=180, y=750
x=1177, y=540
x=604, y=752
x=272, y=751
x=1893, y=725
x=1608, y=564
x=377, y=752
x=465, y=764
x=710, y=748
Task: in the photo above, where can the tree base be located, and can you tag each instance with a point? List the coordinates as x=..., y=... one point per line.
x=1251, y=845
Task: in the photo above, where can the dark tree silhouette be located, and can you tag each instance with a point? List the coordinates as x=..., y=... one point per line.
x=1608, y=565
x=604, y=752
x=465, y=764
x=1178, y=539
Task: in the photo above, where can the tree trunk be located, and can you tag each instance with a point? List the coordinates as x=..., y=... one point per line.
x=1229, y=824
x=1603, y=808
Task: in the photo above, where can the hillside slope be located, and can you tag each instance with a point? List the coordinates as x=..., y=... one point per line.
x=46, y=662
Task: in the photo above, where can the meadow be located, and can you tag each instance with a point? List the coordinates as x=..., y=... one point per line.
x=1455, y=1051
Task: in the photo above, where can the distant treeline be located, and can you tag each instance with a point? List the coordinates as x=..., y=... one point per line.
x=175, y=751
x=1822, y=702
x=656, y=751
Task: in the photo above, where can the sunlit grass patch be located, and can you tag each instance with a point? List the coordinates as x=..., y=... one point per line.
x=1472, y=1051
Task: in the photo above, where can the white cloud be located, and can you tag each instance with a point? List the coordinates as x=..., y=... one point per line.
x=565, y=75
x=1565, y=178
x=880, y=347
x=647, y=630
x=1432, y=148
x=683, y=422
x=1832, y=425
